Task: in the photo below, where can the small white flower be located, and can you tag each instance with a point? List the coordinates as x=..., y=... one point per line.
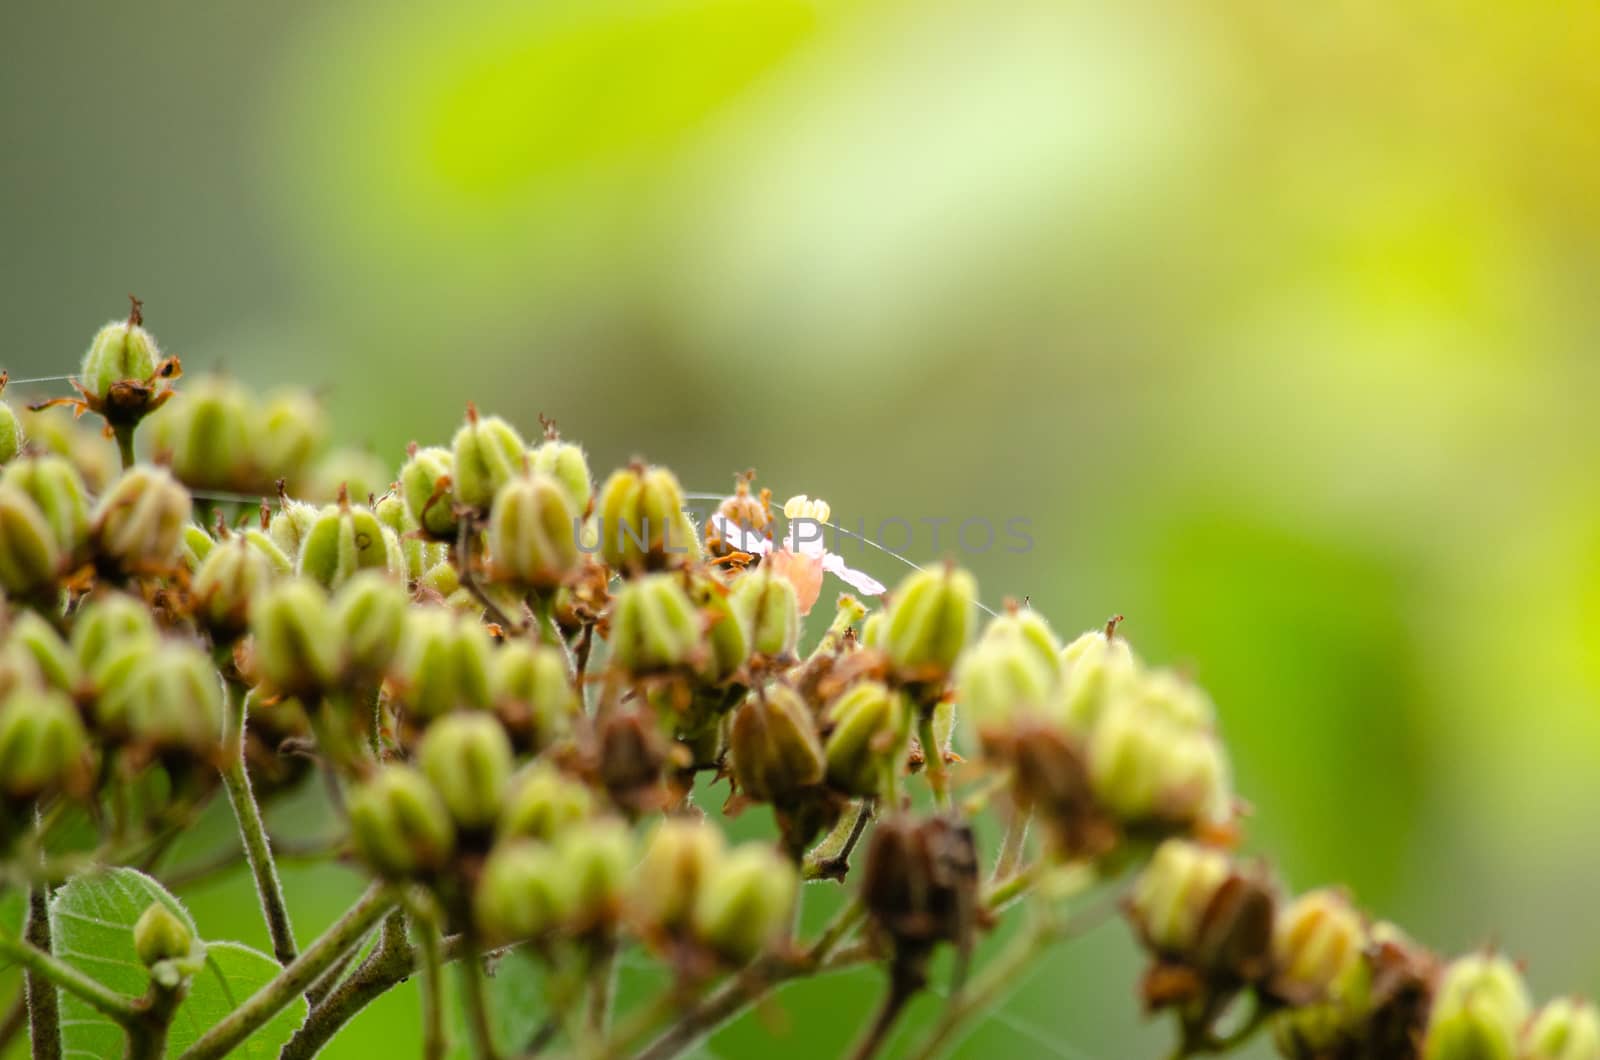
x=802, y=556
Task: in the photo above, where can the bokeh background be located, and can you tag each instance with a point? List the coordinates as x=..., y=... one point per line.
x=1278, y=322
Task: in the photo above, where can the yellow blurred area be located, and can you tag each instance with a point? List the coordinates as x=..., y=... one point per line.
x=1277, y=321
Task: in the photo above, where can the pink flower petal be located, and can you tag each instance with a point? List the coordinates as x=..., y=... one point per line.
x=860, y=581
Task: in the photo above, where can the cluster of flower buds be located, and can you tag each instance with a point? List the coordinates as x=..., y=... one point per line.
x=514, y=681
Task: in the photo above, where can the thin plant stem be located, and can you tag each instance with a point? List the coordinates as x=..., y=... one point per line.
x=425, y=926
x=830, y=859
x=1013, y=846
x=602, y=984
x=124, y=436
x=50, y=972
x=475, y=995
x=253, y=834
x=933, y=761
x=293, y=980
x=44, y=1010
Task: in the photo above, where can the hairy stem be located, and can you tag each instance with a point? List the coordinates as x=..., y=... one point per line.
x=433, y=1036
x=1013, y=846
x=475, y=995
x=933, y=760
x=147, y=1034
x=44, y=1010
x=257, y=849
x=293, y=980
x=830, y=859
x=124, y=436
x=49, y=973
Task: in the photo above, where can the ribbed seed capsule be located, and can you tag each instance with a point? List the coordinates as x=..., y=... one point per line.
x=1320, y=967
x=595, y=860
x=1146, y=767
x=747, y=905
x=56, y=488
x=726, y=642
x=139, y=522
x=226, y=585
x=418, y=553
x=290, y=524
x=766, y=604
x=1194, y=906
x=30, y=560
x=930, y=620
x=866, y=719
x=1002, y=677
x=532, y=534
x=654, y=626
x=533, y=693
x=399, y=825
x=121, y=351
x=567, y=464
x=642, y=523
x=35, y=644
x=1478, y=1012
x=443, y=663
x=486, y=453
x=543, y=804
x=522, y=893
x=682, y=856
x=425, y=484
x=344, y=539
x=774, y=746
x=467, y=758
x=105, y=621
x=293, y=429
x=173, y=700
x=10, y=433
x=43, y=745
x=298, y=645
x=1097, y=666
x=206, y=437
x=1565, y=1029
x=370, y=610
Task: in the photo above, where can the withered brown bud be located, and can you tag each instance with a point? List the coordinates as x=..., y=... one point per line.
x=920, y=883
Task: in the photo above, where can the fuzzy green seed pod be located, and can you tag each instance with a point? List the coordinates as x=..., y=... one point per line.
x=205, y=435
x=370, y=610
x=727, y=644
x=930, y=620
x=139, y=522
x=277, y=560
x=1320, y=968
x=398, y=823
x=595, y=861
x=30, y=559
x=10, y=433
x=419, y=554
x=872, y=630
x=425, y=484
x=746, y=907
x=654, y=626
x=1478, y=1012
x=467, y=758
x=1029, y=627
x=866, y=719
x=121, y=351
x=290, y=524
x=766, y=603
x=298, y=645
x=681, y=857
x=173, y=700
x=567, y=464
x=293, y=428
x=1192, y=905
x=642, y=523
x=1145, y=767
x=521, y=894
x=1565, y=1029
x=443, y=663
x=55, y=486
x=533, y=694
x=1098, y=666
x=774, y=746
x=346, y=538
x=1003, y=676
x=225, y=587
x=43, y=745
x=543, y=804
x=532, y=540
x=34, y=641
x=160, y=935
x=105, y=621
x=197, y=545
x=486, y=453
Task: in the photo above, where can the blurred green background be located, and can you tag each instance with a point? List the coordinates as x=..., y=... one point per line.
x=1277, y=321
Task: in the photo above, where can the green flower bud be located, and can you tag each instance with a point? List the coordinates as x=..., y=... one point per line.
x=106, y=621
x=298, y=646
x=654, y=626
x=747, y=905
x=226, y=585
x=173, y=699
x=197, y=545
x=1098, y=666
x=566, y=463
x=35, y=642
x=139, y=522
x=1318, y=947
x=543, y=804
x=419, y=555
x=344, y=539
x=56, y=488
x=293, y=427
x=468, y=759
x=642, y=524
x=10, y=433
x=532, y=542
x=872, y=630
x=1478, y=1012
x=425, y=482
x=30, y=559
x=443, y=663
x=774, y=746
x=290, y=525
x=1192, y=905
x=399, y=825
x=486, y=453
x=43, y=745
x=595, y=861
x=1565, y=1029
x=866, y=738
x=533, y=693
x=205, y=436
x=522, y=893
x=371, y=611
x=1144, y=766
x=1002, y=676
x=121, y=351
x=682, y=856
x=726, y=640
x=767, y=607
x=277, y=560
x=160, y=935
x=347, y=472
x=930, y=619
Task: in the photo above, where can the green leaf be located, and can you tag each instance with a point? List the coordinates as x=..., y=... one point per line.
x=92, y=919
